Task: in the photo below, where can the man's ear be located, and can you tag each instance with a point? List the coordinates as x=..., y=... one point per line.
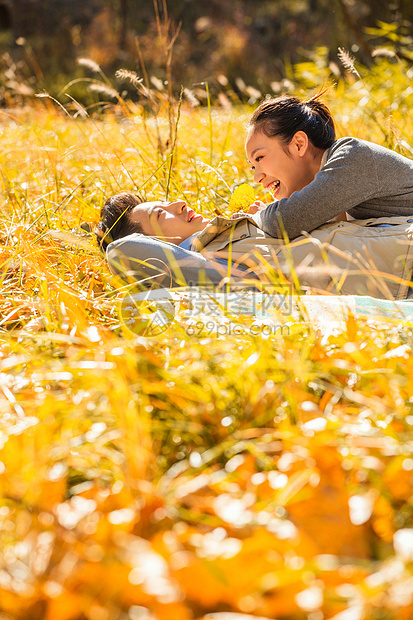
x=300, y=143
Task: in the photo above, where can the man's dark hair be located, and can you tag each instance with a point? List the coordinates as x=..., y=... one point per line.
x=115, y=219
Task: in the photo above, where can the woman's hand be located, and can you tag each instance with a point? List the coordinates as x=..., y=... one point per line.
x=256, y=206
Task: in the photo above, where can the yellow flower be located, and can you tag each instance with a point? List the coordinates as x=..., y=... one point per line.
x=242, y=197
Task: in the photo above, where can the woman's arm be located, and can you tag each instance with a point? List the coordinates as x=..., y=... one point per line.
x=152, y=261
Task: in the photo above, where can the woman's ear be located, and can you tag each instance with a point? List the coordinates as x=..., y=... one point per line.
x=300, y=143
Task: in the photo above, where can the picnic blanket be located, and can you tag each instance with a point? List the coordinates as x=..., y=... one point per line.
x=200, y=311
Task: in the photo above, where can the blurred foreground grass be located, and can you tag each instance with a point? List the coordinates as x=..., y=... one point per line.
x=179, y=476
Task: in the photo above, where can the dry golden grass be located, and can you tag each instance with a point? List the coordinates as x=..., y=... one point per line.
x=178, y=476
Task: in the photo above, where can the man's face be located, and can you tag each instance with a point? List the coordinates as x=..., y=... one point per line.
x=170, y=221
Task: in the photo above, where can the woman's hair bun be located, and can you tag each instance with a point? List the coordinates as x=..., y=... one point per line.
x=320, y=108
x=283, y=116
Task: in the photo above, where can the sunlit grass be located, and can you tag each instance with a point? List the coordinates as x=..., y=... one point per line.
x=189, y=472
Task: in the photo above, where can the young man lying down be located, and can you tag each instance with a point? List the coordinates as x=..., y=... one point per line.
x=169, y=244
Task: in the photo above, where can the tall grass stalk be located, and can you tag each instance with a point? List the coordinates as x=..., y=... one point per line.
x=173, y=145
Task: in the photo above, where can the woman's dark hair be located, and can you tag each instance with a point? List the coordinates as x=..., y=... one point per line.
x=284, y=116
x=115, y=221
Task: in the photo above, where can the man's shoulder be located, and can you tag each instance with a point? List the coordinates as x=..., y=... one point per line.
x=217, y=226
x=117, y=244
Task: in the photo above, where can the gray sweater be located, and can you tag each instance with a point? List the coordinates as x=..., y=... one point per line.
x=362, y=178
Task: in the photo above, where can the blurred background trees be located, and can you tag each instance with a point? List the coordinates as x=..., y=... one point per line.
x=234, y=43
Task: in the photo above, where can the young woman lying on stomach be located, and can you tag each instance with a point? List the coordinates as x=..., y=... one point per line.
x=313, y=177
x=168, y=244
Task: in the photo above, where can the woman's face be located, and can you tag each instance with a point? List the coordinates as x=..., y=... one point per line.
x=170, y=221
x=280, y=168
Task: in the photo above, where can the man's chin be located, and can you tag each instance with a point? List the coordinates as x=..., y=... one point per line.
x=199, y=226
